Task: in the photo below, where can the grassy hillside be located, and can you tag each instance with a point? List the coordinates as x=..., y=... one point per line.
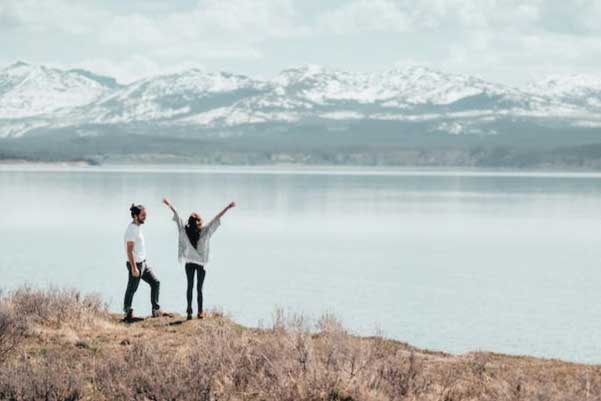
x=59, y=345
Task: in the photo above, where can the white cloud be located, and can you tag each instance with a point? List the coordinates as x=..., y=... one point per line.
x=516, y=58
x=134, y=45
x=133, y=30
x=127, y=70
x=213, y=21
x=365, y=16
x=212, y=30
x=471, y=14
x=8, y=17
x=576, y=16
x=572, y=17
x=506, y=40
x=132, y=68
x=73, y=17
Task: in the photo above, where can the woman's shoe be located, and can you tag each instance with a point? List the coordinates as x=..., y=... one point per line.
x=200, y=315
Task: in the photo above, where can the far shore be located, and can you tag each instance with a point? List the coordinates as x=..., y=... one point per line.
x=287, y=168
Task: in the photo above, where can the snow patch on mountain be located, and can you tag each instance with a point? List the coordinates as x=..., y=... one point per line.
x=27, y=90
x=588, y=124
x=462, y=128
x=398, y=87
x=230, y=117
x=167, y=97
x=566, y=85
x=16, y=128
x=582, y=91
x=343, y=115
x=405, y=117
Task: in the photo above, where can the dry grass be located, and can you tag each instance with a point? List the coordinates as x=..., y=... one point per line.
x=70, y=348
x=12, y=331
x=56, y=307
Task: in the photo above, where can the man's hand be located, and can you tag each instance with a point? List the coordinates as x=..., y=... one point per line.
x=231, y=205
x=132, y=261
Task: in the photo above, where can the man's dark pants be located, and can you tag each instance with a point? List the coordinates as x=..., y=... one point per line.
x=148, y=276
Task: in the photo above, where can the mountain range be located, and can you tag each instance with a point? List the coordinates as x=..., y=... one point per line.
x=303, y=108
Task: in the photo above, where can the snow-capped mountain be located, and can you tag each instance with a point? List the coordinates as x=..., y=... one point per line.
x=400, y=92
x=168, y=97
x=38, y=98
x=409, y=85
x=580, y=90
x=405, y=93
x=27, y=90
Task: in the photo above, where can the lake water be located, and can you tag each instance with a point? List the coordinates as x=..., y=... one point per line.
x=453, y=261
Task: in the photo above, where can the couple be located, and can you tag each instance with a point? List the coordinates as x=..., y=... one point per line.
x=193, y=249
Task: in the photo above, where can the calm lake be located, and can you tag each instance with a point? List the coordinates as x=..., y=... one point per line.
x=453, y=261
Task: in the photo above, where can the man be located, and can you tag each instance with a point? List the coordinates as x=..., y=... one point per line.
x=136, y=264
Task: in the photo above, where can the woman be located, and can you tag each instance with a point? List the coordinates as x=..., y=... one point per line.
x=193, y=250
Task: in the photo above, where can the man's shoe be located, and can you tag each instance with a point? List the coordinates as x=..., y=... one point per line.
x=200, y=315
x=189, y=316
x=159, y=313
x=129, y=316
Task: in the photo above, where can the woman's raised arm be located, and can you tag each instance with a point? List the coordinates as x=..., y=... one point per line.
x=228, y=207
x=166, y=202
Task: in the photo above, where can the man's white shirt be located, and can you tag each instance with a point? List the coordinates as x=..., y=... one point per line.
x=134, y=234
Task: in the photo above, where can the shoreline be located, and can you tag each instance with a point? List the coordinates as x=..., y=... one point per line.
x=293, y=169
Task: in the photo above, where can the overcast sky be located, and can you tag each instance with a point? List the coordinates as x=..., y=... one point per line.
x=506, y=41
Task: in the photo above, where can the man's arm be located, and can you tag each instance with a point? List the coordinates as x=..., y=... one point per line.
x=132, y=261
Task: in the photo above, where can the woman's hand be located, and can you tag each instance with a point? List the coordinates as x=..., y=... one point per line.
x=220, y=214
x=169, y=205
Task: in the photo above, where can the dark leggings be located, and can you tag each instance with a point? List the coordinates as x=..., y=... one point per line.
x=190, y=269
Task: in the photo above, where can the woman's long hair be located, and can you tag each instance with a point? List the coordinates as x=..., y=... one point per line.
x=192, y=229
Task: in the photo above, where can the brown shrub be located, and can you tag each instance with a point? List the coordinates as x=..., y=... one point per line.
x=49, y=377
x=12, y=330
x=57, y=307
x=146, y=373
